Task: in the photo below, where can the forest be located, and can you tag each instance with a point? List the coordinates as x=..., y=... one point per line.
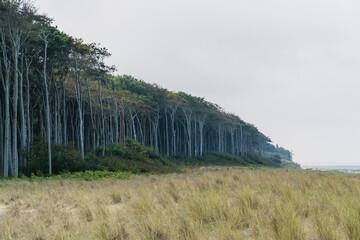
x=62, y=105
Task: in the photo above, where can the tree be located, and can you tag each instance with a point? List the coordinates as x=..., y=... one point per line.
x=44, y=34
x=62, y=92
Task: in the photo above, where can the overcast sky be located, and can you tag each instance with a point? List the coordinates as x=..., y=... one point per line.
x=292, y=68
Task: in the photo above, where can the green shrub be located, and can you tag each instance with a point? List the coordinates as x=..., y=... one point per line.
x=92, y=160
x=87, y=175
x=225, y=159
x=113, y=163
x=135, y=157
x=64, y=158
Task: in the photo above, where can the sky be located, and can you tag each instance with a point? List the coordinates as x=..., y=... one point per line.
x=292, y=68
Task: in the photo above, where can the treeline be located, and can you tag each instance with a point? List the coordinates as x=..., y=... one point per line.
x=57, y=90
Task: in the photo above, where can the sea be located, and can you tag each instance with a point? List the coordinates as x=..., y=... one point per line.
x=345, y=169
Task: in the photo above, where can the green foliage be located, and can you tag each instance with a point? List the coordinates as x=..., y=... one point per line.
x=135, y=157
x=92, y=160
x=93, y=175
x=284, y=153
x=262, y=161
x=276, y=158
x=227, y=159
x=65, y=158
x=131, y=84
x=87, y=176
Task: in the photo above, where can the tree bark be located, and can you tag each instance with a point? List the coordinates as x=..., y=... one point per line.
x=6, y=85
x=48, y=123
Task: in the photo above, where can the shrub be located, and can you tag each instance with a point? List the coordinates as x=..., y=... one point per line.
x=64, y=158
x=92, y=160
x=135, y=157
x=112, y=163
x=226, y=159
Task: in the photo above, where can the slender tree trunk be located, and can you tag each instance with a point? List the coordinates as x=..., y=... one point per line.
x=133, y=115
x=201, y=121
x=220, y=137
x=140, y=129
x=65, y=137
x=72, y=125
x=28, y=105
x=195, y=135
x=173, y=132
x=102, y=120
x=167, y=133
x=56, y=137
x=93, y=126
x=151, y=135
x=241, y=141
x=48, y=123
x=116, y=118
x=232, y=133
x=156, y=131
x=22, y=110
x=15, y=108
x=122, y=119
x=6, y=85
x=80, y=111
x=188, y=114
x=111, y=132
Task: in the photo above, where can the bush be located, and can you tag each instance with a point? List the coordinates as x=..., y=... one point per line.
x=276, y=158
x=135, y=157
x=87, y=175
x=64, y=158
x=92, y=161
x=113, y=163
x=262, y=161
x=93, y=175
x=226, y=159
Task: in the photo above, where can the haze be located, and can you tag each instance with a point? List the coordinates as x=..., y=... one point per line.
x=289, y=67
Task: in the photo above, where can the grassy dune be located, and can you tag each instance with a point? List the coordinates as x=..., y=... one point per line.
x=206, y=203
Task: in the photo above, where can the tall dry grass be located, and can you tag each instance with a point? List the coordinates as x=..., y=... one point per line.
x=206, y=203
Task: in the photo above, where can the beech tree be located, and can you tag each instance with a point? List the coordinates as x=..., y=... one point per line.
x=56, y=90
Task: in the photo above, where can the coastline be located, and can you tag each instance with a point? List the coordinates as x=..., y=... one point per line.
x=334, y=168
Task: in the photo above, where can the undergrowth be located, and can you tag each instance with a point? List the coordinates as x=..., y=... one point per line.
x=122, y=160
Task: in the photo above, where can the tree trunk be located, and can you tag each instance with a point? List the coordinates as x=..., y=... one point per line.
x=173, y=132
x=6, y=85
x=188, y=114
x=16, y=46
x=65, y=137
x=80, y=110
x=48, y=126
x=22, y=110
x=167, y=133
x=156, y=131
x=93, y=126
x=201, y=121
x=29, y=135
x=232, y=132
x=102, y=120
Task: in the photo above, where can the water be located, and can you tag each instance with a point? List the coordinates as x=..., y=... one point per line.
x=345, y=169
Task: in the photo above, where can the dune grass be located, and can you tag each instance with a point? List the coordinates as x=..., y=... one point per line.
x=204, y=203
